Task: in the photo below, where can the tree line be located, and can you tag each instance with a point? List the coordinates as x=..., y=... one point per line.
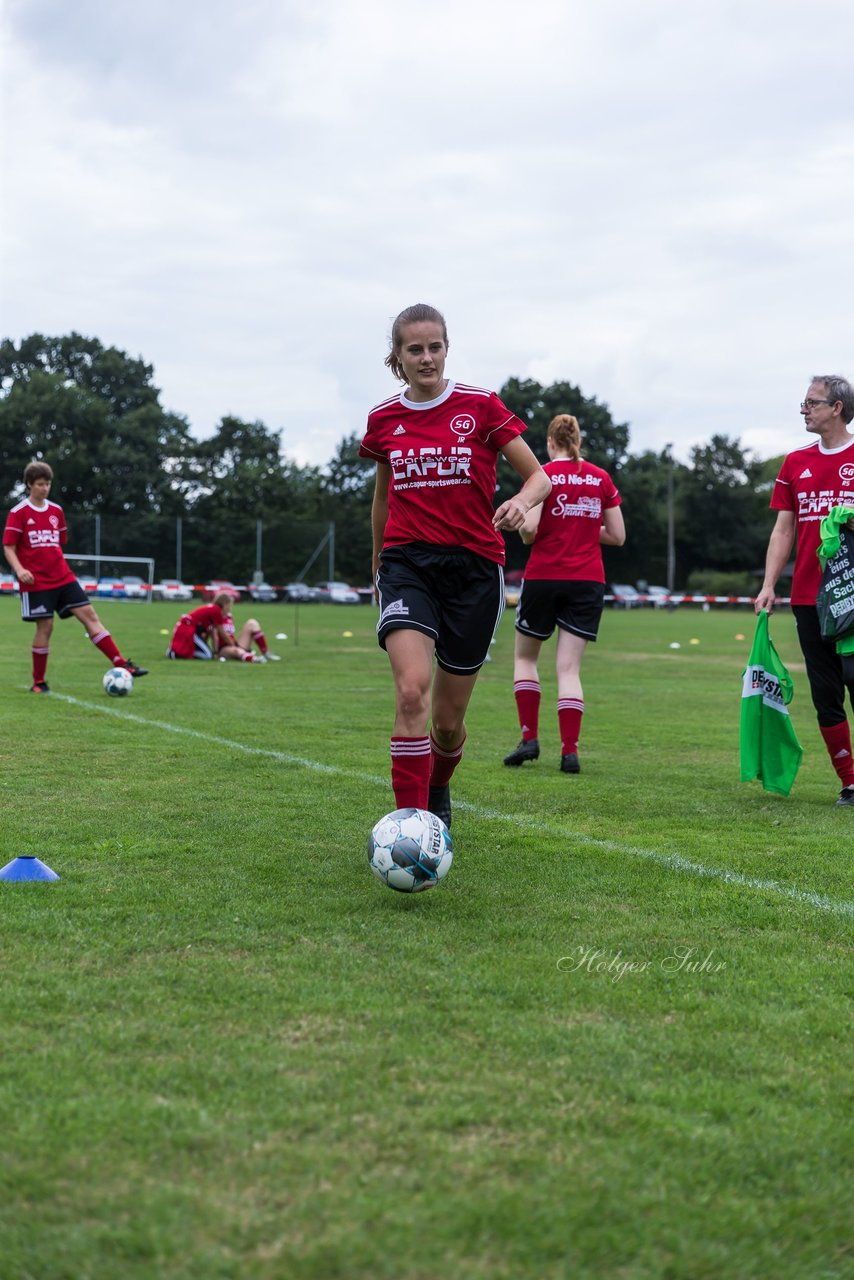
x=94, y=414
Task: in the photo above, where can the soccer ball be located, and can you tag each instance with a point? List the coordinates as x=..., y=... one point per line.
x=410, y=850
x=118, y=682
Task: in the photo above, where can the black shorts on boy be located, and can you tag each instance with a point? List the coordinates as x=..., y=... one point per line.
x=574, y=606
x=451, y=594
x=50, y=600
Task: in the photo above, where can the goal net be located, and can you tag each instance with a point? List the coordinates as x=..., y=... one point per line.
x=114, y=577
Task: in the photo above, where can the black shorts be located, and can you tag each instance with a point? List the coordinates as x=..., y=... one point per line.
x=572, y=606
x=449, y=593
x=36, y=605
x=826, y=671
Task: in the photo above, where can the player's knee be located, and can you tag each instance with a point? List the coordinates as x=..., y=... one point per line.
x=412, y=698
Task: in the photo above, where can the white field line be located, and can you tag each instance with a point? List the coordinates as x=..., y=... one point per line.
x=671, y=861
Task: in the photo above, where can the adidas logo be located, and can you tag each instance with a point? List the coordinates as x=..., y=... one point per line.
x=400, y=430
x=806, y=474
x=30, y=520
x=840, y=755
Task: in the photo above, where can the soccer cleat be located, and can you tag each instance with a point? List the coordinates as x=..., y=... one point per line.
x=40, y=686
x=529, y=750
x=439, y=802
x=846, y=796
x=257, y=657
x=132, y=668
x=273, y=657
x=569, y=763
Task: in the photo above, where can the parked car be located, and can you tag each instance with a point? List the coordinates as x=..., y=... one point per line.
x=624, y=595
x=261, y=592
x=172, y=589
x=512, y=593
x=298, y=593
x=216, y=585
x=366, y=595
x=135, y=588
x=111, y=588
x=336, y=593
x=88, y=583
x=660, y=597
x=8, y=584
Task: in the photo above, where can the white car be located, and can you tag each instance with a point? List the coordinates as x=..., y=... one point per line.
x=135, y=588
x=336, y=593
x=624, y=595
x=8, y=584
x=172, y=589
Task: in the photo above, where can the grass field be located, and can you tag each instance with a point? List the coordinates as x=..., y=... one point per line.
x=615, y=1043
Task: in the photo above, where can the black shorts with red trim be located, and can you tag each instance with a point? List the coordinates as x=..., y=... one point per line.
x=574, y=606
x=451, y=594
x=44, y=604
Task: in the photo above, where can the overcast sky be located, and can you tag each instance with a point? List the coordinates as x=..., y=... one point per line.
x=651, y=199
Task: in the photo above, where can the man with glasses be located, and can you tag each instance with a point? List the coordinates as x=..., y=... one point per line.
x=813, y=479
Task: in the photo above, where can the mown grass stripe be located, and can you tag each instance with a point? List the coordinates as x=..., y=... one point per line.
x=669, y=861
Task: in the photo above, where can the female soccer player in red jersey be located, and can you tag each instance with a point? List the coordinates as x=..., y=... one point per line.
x=563, y=586
x=438, y=549
x=209, y=631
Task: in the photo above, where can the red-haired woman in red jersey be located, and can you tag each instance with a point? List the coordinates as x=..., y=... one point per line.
x=564, y=587
x=438, y=547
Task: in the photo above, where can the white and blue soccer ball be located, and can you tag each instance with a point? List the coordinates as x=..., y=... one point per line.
x=118, y=682
x=410, y=850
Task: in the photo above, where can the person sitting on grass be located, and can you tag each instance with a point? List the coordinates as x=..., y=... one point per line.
x=33, y=539
x=209, y=632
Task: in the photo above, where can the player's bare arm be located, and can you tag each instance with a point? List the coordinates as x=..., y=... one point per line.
x=779, y=550
x=613, y=531
x=379, y=514
x=23, y=575
x=535, y=488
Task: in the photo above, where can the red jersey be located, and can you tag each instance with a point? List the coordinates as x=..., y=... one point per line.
x=199, y=622
x=811, y=481
x=38, y=535
x=567, y=543
x=443, y=454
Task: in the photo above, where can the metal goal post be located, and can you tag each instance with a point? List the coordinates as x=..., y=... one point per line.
x=114, y=567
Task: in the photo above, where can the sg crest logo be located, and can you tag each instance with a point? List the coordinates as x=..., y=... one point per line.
x=53, y=521
x=463, y=426
x=846, y=472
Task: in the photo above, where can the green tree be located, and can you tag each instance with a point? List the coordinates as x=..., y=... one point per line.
x=348, y=490
x=721, y=509
x=94, y=415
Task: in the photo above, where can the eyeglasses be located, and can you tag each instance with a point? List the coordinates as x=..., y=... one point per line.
x=811, y=404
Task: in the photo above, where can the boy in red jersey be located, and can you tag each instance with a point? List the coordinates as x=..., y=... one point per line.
x=811, y=480
x=564, y=586
x=438, y=551
x=209, y=631
x=33, y=539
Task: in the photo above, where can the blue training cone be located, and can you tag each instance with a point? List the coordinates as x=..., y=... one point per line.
x=27, y=867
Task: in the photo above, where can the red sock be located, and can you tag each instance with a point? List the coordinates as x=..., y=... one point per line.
x=105, y=642
x=261, y=640
x=569, y=713
x=837, y=739
x=410, y=772
x=39, y=664
x=443, y=763
x=527, y=695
